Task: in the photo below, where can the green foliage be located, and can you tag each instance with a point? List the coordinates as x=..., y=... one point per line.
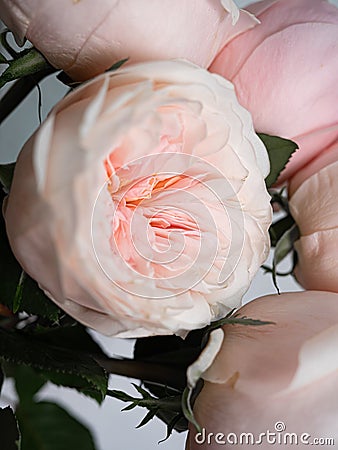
x=44, y=425
x=238, y=320
x=27, y=382
x=47, y=426
x=28, y=62
x=167, y=408
x=63, y=366
x=173, y=352
x=278, y=228
x=283, y=233
x=117, y=65
x=1, y=378
x=35, y=301
x=74, y=337
x=187, y=407
x=283, y=247
x=3, y=60
x=279, y=151
x=20, y=293
x=280, y=198
x=10, y=436
x=6, y=174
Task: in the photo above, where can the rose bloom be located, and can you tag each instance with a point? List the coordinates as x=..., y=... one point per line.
x=86, y=37
x=314, y=207
x=285, y=74
x=140, y=205
x=280, y=378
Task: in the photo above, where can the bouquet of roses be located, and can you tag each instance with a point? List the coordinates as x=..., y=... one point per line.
x=194, y=136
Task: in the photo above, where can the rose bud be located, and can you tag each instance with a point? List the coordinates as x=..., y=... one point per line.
x=85, y=38
x=140, y=204
x=327, y=157
x=315, y=210
x=272, y=383
x=285, y=74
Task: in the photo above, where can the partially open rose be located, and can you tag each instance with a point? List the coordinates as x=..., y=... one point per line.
x=314, y=207
x=285, y=73
x=279, y=379
x=86, y=37
x=140, y=204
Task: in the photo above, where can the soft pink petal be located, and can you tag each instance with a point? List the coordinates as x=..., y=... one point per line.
x=284, y=71
x=285, y=372
x=85, y=40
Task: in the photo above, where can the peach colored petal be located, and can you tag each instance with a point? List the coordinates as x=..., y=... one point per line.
x=155, y=210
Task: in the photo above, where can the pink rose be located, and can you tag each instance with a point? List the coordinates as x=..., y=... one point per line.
x=85, y=37
x=315, y=210
x=280, y=378
x=325, y=158
x=285, y=74
x=140, y=205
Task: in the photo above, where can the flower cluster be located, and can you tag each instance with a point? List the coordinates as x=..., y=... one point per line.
x=142, y=206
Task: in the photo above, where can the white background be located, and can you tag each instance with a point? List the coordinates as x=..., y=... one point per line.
x=111, y=428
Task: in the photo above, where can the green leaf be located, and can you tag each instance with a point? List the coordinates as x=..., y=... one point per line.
x=32, y=298
x=120, y=395
x=6, y=174
x=280, y=198
x=74, y=337
x=145, y=394
x=172, y=350
x=47, y=426
x=283, y=248
x=278, y=228
x=27, y=382
x=236, y=320
x=117, y=65
x=166, y=408
x=60, y=365
x=73, y=381
x=35, y=301
x=28, y=62
x=147, y=418
x=10, y=436
x=279, y=151
x=19, y=293
x=2, y=378
x=173, y=354
x=187, y=408
x=175, y=423
x=10, y=269
x=3, y=60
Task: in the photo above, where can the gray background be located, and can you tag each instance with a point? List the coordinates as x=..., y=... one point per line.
x=111, y=428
